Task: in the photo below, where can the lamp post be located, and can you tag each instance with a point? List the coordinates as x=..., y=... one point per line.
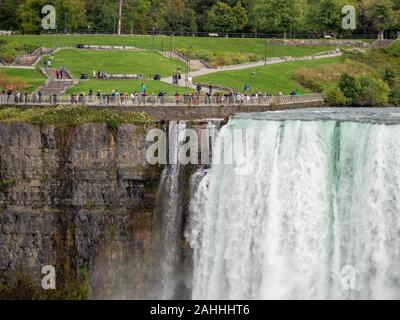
x=177, y=78
x=265, y=52
x=153, y=31
x=187, y=71
x=252, y=75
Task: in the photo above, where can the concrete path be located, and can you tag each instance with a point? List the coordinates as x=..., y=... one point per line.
x=270, y=61
x=17, y=67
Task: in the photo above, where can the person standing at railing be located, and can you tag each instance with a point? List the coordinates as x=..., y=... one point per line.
x=81, y=98
x=208, y=98
x=73, y=98
x=177, y=98
x=125, y=97
x=143, y=89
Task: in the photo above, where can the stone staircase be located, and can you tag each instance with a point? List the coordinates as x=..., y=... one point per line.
x=195, y=64
x=31, y=59
x=55, y=86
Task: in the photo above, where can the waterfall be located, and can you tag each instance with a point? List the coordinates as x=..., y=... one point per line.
x=322, y=200
x=168, y=218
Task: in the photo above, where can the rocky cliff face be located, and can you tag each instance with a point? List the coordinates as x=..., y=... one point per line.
x=80, y=199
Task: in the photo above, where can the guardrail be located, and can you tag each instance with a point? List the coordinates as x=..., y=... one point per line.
x=126, y=101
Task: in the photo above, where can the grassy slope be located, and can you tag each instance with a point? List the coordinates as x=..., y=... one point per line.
x=116, y=62
x=272, y=78
x=216, y=45
x=34, y=78
x=125, y=86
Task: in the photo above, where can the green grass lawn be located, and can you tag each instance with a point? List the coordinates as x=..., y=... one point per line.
x=33, y=78
x=126, y=86
x=116, y=62
x=271, y=78
x=165, y=43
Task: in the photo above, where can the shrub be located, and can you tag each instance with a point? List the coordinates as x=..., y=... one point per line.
x=308, y=83
x=336, y=98
x=394, y=48
x=374, y=92
x=394, y=97
x=350, y=87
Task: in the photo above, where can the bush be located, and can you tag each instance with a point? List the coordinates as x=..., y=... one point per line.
x=309, y=83
x=394, y=97
x=217, y=59
x=394, y=48
x=336, y=98
x=374, y=92
x=350, y=87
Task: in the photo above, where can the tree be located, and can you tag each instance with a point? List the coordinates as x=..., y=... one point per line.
x=326, y=15
x=279, y=15
x=8, y=17
x=121, y=2
x=221, y=18
x=240, y=13
x=381, y=14
x=101, y=15
x=70, y=13
x=201, y=9
x=176, y=16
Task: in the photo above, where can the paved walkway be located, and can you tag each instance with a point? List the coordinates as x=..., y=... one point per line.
x=203, y=72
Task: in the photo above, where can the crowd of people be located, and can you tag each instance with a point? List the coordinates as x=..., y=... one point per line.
x=117, y=97
x=188, y=98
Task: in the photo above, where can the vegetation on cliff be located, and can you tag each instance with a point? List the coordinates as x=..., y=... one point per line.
x=72, y=116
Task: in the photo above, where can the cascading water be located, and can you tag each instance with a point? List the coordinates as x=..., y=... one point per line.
x=169, y=219
x=323, y=197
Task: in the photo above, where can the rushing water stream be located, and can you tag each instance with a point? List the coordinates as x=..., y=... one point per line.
x=323, y=197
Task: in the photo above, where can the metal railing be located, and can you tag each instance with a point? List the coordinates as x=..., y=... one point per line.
x=128, y=101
